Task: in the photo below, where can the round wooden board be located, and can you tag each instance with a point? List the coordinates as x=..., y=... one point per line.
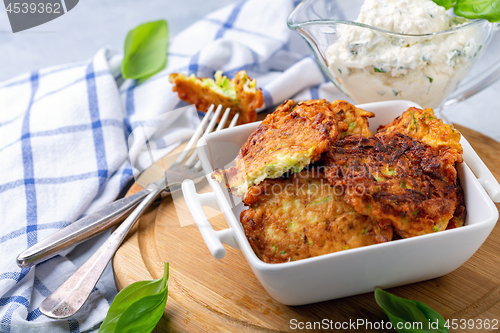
x=210, y=295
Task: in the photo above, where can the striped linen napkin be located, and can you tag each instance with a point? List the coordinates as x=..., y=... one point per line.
x=63, y=139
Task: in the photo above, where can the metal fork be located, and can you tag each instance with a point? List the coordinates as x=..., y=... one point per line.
x=114, y=213
x=72, y=294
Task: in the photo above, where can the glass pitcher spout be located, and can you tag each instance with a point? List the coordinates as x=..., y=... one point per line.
x=370, y=64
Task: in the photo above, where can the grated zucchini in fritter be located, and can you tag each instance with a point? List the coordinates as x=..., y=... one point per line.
x=304, y=216
x=424, y=126
x=361, y=190
x=291, y=138
x=396, y=181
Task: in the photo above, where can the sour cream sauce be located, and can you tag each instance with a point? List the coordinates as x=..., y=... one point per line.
x=375, y=66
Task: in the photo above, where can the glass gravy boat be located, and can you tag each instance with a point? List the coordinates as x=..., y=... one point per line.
x=370, y=64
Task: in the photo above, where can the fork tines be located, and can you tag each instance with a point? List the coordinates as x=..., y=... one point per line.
x=198, y=134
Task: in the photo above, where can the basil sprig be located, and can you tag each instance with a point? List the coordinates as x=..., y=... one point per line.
x=138, y=307
x=145, y=50
x=403, y=311
x=474, y=9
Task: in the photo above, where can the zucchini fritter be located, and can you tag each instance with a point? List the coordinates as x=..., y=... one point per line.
x=291, y=138
x=424, y=126
x=360, y=190
x=304, y=216
x=287, y=140
x=239, y=94
x=395, y=180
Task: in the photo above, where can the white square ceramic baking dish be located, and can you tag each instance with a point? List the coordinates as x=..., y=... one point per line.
x=353, y=271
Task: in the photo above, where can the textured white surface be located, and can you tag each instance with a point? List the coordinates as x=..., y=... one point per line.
x=481, y=112
x=421, y=69
x=405, y=16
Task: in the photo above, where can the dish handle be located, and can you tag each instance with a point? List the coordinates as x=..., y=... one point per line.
x=483, y=174
x=212, y=238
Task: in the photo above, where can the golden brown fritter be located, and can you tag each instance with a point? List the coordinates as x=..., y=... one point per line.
x=287, y=140
x=239, y=94
x=395, y=180
x=424, y=126
x=292, y=137
x=355, y=119
x=304, y=216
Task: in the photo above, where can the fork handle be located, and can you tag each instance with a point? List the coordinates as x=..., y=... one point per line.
x=81, y=230
x=70, y=296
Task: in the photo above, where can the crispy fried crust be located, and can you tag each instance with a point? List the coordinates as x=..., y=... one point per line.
x=424, y=126
x=292, y=137
x=246, y=102
x=355, y=120
x=304, y=216
x=287, y=140
x=395, y=180
x=361, y=189
x=460, y=213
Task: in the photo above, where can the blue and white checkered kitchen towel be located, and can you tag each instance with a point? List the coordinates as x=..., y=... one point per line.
x=63, y=132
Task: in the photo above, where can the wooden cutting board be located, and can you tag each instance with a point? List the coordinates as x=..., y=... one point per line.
x=210, y=295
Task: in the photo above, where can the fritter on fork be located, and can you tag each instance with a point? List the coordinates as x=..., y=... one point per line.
x=304, y=216
x=396, y=181
x=240, y=94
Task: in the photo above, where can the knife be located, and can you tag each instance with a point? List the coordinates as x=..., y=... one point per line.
x=146, y=157
x=88, y=226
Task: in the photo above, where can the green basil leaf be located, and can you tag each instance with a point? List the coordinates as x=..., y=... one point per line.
x=138, y=307
x=478, y=9
x=143, y=316
x=145, y=50
x=474, y=9
x=444, y=3
x=405, y=314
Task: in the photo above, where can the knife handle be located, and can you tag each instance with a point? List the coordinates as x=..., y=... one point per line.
x=82, y=229
x=70, y=296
